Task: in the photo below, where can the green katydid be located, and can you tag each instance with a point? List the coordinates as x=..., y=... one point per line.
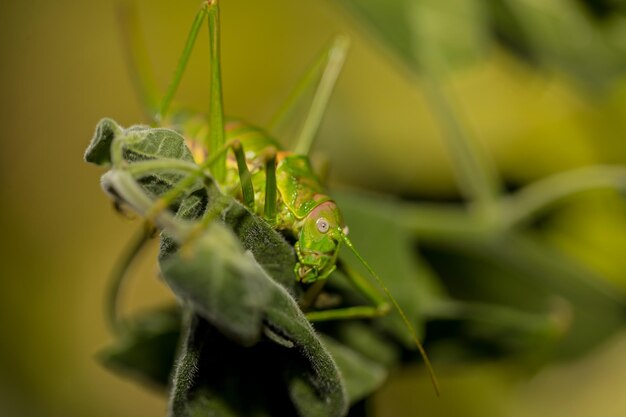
x=278, y=185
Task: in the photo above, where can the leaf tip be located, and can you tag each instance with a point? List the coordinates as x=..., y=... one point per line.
x=99, y=150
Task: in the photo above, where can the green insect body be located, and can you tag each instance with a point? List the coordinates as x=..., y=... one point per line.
x=304, y=210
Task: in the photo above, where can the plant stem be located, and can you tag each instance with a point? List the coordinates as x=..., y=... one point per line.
x=538, y=197
x=120, y=272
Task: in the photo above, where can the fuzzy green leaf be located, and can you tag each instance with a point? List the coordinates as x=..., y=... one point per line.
x=99, y=150
x=454, y=31
x=524, y=273
x=239, y=286
x=235, y=305
x=147, y=347
x=144, y=143
x=361, y=376
x=270, y=249
x=461, y=332
x=221, y=284
x=215, y=373
x=557, y=35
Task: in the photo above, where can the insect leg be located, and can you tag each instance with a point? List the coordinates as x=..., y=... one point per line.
x=380, y=307
x=336, y=57
x=329, y=63
x=271, y=195
x=165, y=200
x=245, y=179
x=182, y=63
x=358, y=312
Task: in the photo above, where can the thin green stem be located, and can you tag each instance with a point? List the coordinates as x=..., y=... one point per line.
x=171, y=195
x=429, y=221
x=182, y=63
x=535, y=199
x=336, y=58
x=216, y=135
x=475, y=175
x=117, y=151
x=441, y=222
x=168, y=198
x=119, y=274
x=130, y=192
x=150, y=166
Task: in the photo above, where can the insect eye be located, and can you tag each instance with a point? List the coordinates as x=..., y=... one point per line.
x=322, y=225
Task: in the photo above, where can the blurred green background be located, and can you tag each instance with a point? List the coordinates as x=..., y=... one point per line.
x=63, y=69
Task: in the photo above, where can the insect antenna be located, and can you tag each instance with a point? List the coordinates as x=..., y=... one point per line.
x=407, y=323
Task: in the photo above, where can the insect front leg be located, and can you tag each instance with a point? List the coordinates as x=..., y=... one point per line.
x=379, y=308
x=245, y=179
x=323, y=74
x=268, y=157
x=138, y=62
x=167, y=199
x=271, y=193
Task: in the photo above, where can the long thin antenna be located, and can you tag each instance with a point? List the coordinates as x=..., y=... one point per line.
x=429, y=366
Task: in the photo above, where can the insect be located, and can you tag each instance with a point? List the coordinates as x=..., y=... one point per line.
x=277, y=185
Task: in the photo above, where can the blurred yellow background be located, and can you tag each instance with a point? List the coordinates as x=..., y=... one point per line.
x=63, y=69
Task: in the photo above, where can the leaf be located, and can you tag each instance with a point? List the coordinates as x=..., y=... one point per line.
x=236, y=304
x=556, y=35
x=213, y=373
x=270, y=249
x=144, y=143
x=314, y=385
x=454, y=31
x=462, y=332
x=361, y=376
x=147, y=347
x=520, y=271
x=141, y=143
x=365, y=340
x=560, y=35
x=233, y=300
x=221, y=284
x=99, y=150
